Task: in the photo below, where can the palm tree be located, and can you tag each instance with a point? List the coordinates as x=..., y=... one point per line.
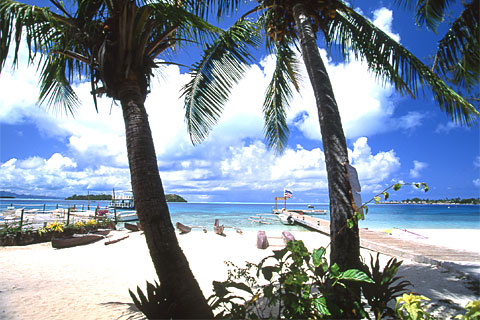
x=458, y=54
x=114, y=44
x=284, y=23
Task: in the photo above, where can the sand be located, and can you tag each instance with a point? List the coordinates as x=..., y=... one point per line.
x=92, y=281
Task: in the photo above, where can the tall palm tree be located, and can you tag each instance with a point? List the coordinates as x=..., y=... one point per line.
x=458, y=54
x=114, y=44
x=285, y=23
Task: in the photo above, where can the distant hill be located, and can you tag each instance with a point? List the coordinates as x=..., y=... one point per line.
x=174, y=198
x=93, y=197
x=10, y=195
x=170, y=197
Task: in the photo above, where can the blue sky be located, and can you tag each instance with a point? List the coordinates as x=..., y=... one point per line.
x=390, y=138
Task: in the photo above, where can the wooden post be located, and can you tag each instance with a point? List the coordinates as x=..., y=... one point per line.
x=21, y=220
x=96, y=213
x=57, y=205
x=115, y=213
x=285, y=203
x=44, y=208
x=68, y=216
x=83, y=207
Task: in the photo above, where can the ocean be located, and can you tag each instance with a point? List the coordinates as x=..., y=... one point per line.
x=380, y=216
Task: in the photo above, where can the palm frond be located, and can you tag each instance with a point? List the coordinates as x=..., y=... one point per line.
x=224, y=8
x=55, y=89
x=173, y=25
x=459, y=48
x=391, y=62
x=429, y=12
x=15, y=19
x=223, y=63
x=278, y=96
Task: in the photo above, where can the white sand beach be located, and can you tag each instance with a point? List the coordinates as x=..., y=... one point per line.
x=92, y=281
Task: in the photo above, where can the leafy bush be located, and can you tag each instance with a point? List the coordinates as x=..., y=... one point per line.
x=472, y=311
x=384, y=287
x=410, y=307
x=156, y=304
x=298, y=285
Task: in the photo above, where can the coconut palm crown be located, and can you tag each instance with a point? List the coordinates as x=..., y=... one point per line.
x=291, y=24
x=114, y=44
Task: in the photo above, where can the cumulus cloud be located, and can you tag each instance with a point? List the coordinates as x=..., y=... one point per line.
x=234, y=156
x=476, y=182
x=417, y=167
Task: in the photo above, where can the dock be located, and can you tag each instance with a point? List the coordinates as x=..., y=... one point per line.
x=399, y=247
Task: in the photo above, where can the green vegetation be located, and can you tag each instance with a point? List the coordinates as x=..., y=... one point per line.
x=96, y=197
x=457, y=200
x=90, y=197
x=174, y=198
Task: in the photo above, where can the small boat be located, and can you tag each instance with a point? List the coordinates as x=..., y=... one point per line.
x=76, y=240
x=310, y=206
x=286, y=219
x=127, y=216
x=133, y=227
x=182, y=229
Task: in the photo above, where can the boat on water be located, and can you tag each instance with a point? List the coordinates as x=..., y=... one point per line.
x=122, y=200
x=125, y=216
x=286, y=219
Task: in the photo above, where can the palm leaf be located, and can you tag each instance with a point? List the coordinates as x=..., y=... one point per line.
x=55, y=89
x=391, y=62
x=459, y=48
x=222, y=64
x=278, y=95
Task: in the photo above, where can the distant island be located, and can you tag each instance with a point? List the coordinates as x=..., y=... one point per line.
x=108, y=197
x=439, y=201
x=174, y=198
x=93, y=197
x=12, y=195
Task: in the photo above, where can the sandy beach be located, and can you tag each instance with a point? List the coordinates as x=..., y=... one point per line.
x=92, y=281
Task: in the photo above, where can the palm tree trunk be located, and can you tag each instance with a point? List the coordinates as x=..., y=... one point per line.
x=345, y=242
x=169, y=260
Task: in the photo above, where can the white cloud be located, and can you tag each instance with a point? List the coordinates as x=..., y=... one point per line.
x=383, y=19
x=417, y=167
x=233, y=157
x=476, y=182
x=476, y=162
x=446, y=128
x=373, y=169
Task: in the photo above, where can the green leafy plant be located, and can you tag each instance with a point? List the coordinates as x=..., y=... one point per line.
x=410, y=307
x=385, y=287
x=298, y=285
x=156, y=304
x=10, y=228
x=473, y=311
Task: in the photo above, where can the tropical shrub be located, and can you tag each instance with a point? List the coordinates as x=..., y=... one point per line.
x=298, y=285
x=410, y=307
x=472, y=311
x=384, y=287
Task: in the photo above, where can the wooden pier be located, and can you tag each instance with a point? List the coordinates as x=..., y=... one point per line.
x=395, y=246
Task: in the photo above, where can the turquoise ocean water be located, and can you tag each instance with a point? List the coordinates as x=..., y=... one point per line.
x=381, y=216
